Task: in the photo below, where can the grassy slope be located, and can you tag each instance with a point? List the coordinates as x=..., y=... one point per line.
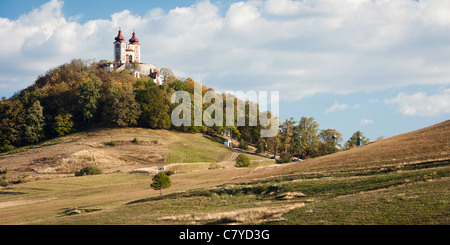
x=400, y=180
x=46, y=195
x=428, y=144
x=414, y=204
x=113, y=150
x=190, y=148
x=419, y=196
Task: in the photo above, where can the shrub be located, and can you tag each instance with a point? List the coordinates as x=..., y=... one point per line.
x=89, y=170
x=242, y=161
x=6, y=147
x=19, y=180
x=135, y=141
x=243, y=145
x=110, y=143
x=4, y=181
x=285, y=157
x=214, y=165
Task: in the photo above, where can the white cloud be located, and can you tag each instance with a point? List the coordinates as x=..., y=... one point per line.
x=366, y=122
x=336, y=107
x=299, y=48
x=283, y=7
x=241, y=14
x=421, y=104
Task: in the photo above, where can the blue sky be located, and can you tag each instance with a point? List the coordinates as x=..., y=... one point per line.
x=382, y=67
x=96, y=9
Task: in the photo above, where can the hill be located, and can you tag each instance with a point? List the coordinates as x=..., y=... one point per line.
x=425, y=146
x=113, y=150
x=81, y=95
x=400, y=180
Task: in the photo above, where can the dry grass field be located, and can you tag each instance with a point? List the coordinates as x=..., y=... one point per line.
x=420, y=146
x=399, y=180
x=119, y=150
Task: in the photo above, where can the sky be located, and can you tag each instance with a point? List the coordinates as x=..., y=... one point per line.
x=379, y=66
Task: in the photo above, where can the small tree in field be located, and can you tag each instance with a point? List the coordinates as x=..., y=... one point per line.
x=242, y=161
x=160, y=181
x=285, y=157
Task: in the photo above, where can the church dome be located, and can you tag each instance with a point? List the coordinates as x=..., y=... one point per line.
x=134, y=39
x=119, y=37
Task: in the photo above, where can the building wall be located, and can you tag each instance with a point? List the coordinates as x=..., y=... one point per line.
x=145, y=68
x=137, y=53
x=121, y=53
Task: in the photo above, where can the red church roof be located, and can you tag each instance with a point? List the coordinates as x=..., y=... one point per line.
x=119, y=37
x=134, y=39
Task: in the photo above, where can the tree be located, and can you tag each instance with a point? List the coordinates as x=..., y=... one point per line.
x=381, y=137
x=34, y=129
x=286, y=130
x=181, y=86
x=63, y=124
x=273, y=143
x=160, y=181
x=135, y=66
x=243, y=145
x=353, y=141
x=330, y=140
x=168, y=75
x=120, y=107
x=261, y=146
x=285, y=157
x=12, y=124
x=242, y=161
x=256, y=133
x=155, y=108
x=90, y=94
x=308, y=139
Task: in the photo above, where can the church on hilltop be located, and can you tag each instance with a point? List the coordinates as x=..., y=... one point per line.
x=127, y=54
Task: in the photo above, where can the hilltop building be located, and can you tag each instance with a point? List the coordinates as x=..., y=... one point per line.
x=127, y=54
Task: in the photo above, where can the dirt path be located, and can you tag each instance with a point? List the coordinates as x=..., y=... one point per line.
x=233, y=156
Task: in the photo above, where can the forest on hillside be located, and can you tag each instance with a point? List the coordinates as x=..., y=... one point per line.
x=81, y=94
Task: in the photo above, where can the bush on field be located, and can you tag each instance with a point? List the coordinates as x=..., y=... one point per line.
x=89, y=170
x=285, y=157
x=242, y=161
x=4, y=181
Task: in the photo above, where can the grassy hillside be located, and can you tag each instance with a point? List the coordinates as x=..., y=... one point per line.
x=113, y=150
x=190, y=149
x=421, y=146
x=400, y=180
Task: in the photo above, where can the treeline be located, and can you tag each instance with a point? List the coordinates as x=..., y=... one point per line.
x=82, y=94
x=304, y=139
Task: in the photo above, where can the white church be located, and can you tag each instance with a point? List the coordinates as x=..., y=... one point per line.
x=126, y=54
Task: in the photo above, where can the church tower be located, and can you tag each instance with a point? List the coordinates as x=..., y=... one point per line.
x=127, y=53
x=119, y=48
x=136, y=50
